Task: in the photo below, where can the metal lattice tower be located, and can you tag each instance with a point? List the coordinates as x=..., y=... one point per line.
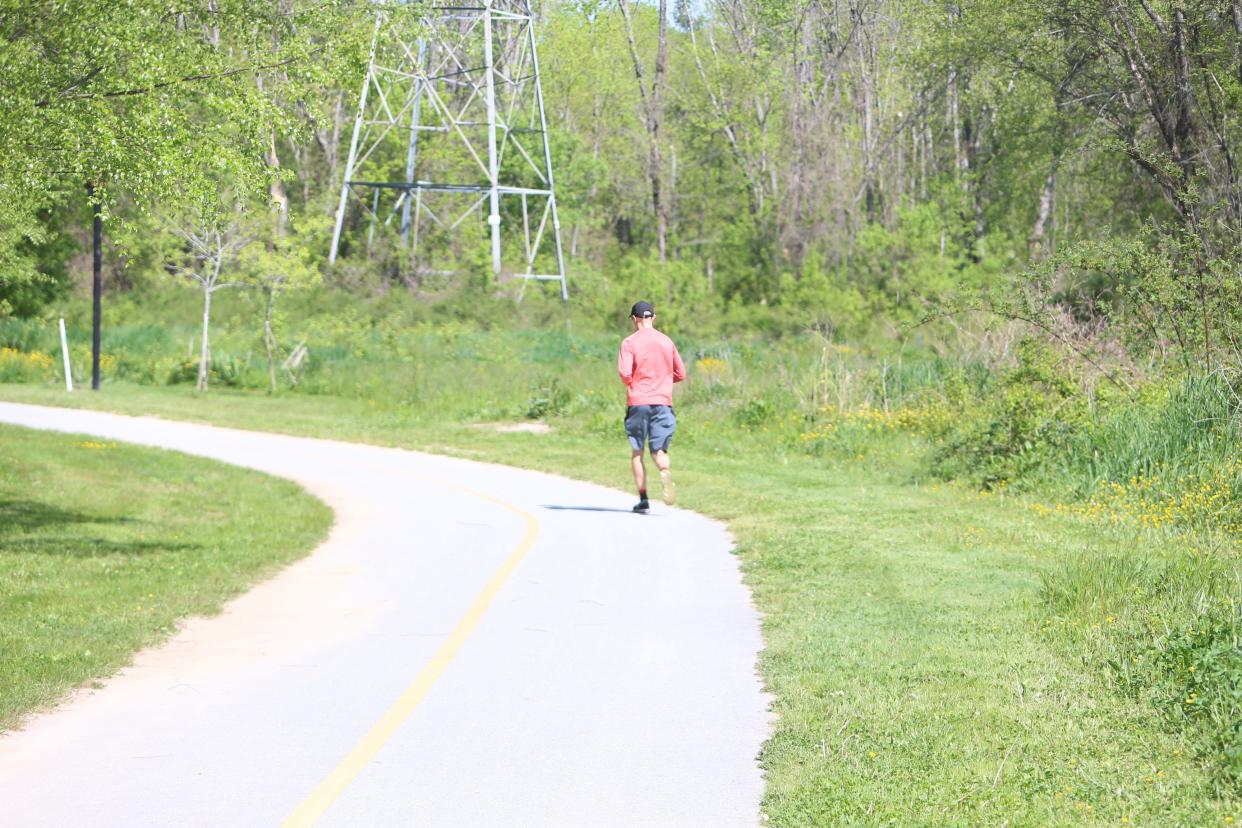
x=451, y=135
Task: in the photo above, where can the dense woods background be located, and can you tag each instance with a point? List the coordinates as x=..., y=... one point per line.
x=851, y=166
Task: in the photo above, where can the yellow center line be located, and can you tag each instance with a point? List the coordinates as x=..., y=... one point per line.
x=315, y=805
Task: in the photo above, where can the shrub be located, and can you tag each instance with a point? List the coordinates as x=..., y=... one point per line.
x=223, y=370
x=1037, y=408
x=1193, y=675
x=547, y=400
x=1175, y=429
x=755, y=413
x=22, y=366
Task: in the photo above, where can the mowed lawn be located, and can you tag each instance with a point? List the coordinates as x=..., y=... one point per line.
x=917, y=677
x=103, y=547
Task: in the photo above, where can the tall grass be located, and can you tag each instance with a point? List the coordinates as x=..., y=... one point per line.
x=1179, y=428
x=1023, y=426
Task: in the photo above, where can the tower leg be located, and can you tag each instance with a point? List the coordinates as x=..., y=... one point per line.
x=353, y=144
x=547, y=159
x=493, y=167
x=412, y=155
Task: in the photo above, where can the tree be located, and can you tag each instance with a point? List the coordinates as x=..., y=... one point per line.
x=212, y=245
x=653, y=115
x=281, y=262
x=150, y=101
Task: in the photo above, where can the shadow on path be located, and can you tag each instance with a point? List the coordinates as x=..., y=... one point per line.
x=590, y=509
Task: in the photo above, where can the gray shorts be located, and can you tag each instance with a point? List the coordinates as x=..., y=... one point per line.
x=652, y=425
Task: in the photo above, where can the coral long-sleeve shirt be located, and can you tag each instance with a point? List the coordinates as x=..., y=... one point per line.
x=649, y=365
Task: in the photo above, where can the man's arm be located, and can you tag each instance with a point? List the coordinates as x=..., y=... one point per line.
x=679, y=367
x=625, y=363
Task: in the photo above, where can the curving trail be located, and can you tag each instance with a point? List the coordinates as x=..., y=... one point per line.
x=473, y=645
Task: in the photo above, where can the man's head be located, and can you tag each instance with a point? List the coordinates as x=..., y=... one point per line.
x=643, y=314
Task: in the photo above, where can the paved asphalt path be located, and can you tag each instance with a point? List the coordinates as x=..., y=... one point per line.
x=473, y=645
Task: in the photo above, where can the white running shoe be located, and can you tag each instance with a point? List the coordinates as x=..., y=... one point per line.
x=670, y=491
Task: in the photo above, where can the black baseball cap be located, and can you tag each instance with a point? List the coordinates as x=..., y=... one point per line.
x=642, y=309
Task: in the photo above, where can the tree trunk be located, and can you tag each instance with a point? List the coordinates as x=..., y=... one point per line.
x=96, y=287
x=302, y=168
x=955, y=123
x=1035, y=242
x=924, y=154
x=272, y=282
x=204, y=357
x=329, y=141
x=656, y=120
x=977, y=181
x=867, y=60
x=654, y=111
x=269, y=337
x=213, y=28
x=593, y=192
x=277, y=188
x=1185, y=125
x=979, y=249
x=670, y=199
x=868, y=140
x=1235, y=8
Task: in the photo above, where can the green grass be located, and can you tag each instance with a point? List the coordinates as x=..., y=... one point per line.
x=921, y=673
x=104, y=547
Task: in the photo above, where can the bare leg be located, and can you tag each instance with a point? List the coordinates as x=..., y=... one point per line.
x=666, y=478
x=639, y=469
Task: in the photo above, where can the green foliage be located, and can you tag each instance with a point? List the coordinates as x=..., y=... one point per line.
x=45, y=267
x=1176, y=428
x=1158, y=297
x=1032, y=411
x=755, y=413
x=806, y=188
x=829, y=302
x=25, y=366
x=917, y=261
x=547, y=400
x=226, y=370
x=1164, y=622
x=150, y=105
x=1193, y=675
x=278, y=258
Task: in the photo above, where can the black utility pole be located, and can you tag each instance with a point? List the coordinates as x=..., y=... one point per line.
x=96, y=289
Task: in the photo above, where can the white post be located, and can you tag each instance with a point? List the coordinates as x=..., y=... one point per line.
x=64, y=352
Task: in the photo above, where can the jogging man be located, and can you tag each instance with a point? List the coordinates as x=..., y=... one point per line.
x=649, y=365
